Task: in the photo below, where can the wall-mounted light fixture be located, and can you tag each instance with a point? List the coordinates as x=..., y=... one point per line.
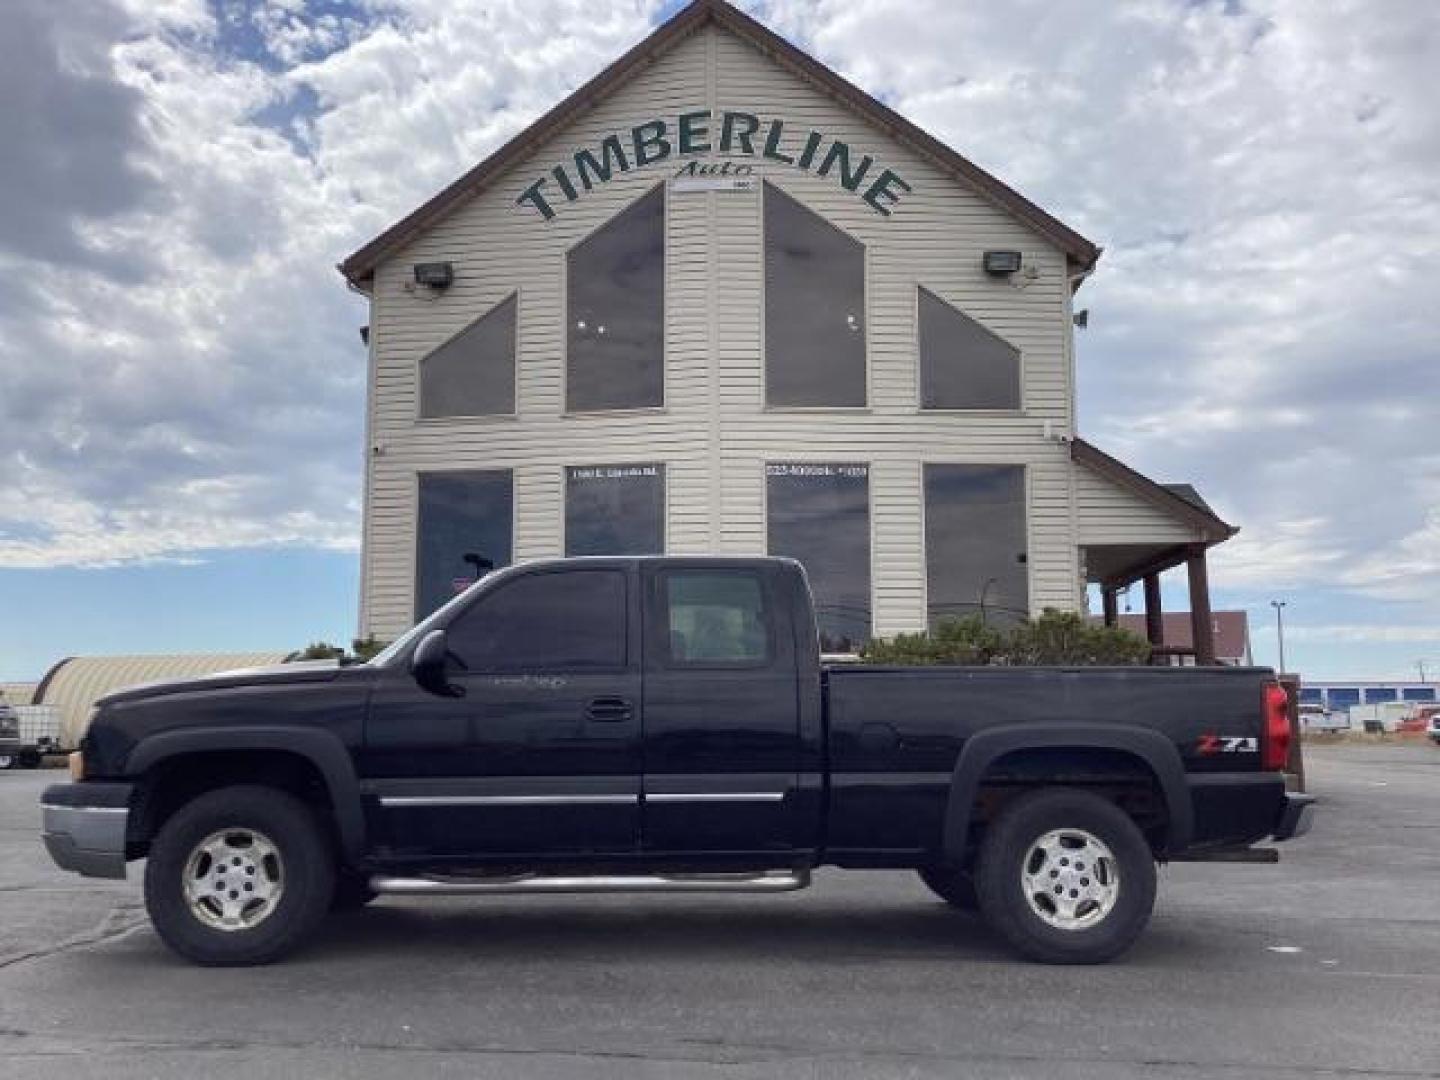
x=1081, y=318
x=1001, y=263
x=436, y=275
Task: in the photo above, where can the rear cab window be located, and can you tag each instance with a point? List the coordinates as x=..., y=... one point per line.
x=714, y=618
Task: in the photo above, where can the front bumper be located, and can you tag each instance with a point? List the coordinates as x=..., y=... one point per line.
x=85, y=827
x=9, y=747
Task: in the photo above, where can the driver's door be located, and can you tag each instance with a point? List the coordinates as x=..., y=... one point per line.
x=540, y=752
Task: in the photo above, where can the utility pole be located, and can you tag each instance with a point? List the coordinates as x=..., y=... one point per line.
x=1421, y=665
x=1279, y=606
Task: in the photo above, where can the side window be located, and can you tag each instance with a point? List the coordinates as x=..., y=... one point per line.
x=615, y=336
x=473, y=374
x=963, y=365
x=814, y=308
x=573, y=619
x=615, y=510
x=715, y=617
x=462, y=513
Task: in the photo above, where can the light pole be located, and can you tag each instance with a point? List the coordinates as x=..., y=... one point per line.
x=1279, y=606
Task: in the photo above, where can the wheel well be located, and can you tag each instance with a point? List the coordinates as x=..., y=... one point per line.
x=169, y=784
x=1124, y=778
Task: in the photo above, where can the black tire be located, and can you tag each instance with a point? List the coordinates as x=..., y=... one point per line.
x=954, y=886
x=1002, y=862
x=30, y=759
x=307, y=876
x=352, y=891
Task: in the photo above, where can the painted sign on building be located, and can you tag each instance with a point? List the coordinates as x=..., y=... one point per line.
x=734, y=136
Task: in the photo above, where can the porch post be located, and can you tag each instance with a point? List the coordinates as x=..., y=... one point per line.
x=1112, y=606
x=1154, y=613
x=1202, y=627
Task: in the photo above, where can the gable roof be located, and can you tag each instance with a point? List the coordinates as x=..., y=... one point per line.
x=359, y=268
x=1180, y=501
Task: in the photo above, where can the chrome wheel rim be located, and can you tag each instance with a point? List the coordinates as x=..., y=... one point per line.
x=234, y=879
x=1071, y=879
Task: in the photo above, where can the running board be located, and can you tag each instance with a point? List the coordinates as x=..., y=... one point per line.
x=1241, y=854
x=439, y=885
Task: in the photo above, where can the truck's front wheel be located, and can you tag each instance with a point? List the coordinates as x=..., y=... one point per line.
x=239, y=876
x=1066, y=877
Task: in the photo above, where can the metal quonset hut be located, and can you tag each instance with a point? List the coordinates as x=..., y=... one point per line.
x=720, y=300
x=74, y=684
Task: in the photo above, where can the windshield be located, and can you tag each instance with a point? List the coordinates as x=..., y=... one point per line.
x=386, y=655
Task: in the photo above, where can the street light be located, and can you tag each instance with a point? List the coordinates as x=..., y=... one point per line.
x=1279, y=606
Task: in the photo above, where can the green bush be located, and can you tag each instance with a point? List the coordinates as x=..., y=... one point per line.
x=319, y=650
x=367, y=648
x=361, y=649
x=1055, y=638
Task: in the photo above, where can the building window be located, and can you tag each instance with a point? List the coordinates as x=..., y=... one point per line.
x=473, y=374
x=715, y=619
x=962, y=364
x=820, y=515
x=461, y=513
x=548, y=621
x=616, y=324
x=615, y=510
x=975, y=542
x=814, y=308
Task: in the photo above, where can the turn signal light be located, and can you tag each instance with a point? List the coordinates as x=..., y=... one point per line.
x=76, y=761
x=1275, y=743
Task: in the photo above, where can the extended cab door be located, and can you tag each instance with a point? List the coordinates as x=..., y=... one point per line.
x=539, y=752
x=722, y=739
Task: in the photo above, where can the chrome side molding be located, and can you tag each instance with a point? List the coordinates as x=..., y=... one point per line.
x=769, y=881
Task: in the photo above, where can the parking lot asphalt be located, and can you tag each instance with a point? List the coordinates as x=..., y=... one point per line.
x=1325, y=965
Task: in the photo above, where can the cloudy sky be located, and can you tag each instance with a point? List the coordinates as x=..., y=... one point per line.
x=181, y=378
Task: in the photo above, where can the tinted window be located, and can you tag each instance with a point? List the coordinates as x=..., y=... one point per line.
x=715, y=617
x=975, y=542
x=615, y=510
x=962, y=364
x=546, y=621
x=460, y=513
x=616, y=326
x=473, y=374
x=814, y=308
x=820, y=515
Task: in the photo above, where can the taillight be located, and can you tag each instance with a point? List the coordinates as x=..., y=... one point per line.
x=1275, y=743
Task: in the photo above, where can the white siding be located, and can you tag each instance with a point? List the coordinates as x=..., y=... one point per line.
x=1108, y=513
x=714, y=434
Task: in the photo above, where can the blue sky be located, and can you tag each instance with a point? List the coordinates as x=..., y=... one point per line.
x=182, y=382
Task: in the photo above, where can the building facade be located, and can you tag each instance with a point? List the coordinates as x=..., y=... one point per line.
x=721, y=301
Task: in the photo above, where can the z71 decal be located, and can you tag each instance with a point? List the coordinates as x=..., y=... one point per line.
x=1227, y=744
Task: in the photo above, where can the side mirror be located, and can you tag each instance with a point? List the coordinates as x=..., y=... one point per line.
x=427, y=665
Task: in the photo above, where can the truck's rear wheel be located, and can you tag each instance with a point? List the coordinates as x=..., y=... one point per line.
x=954, y=886
x=1066, y=877
x=239, y=876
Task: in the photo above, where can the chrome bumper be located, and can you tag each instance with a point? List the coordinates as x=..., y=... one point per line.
x=87, y=835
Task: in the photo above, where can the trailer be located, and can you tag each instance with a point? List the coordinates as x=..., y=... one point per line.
x=39, y=728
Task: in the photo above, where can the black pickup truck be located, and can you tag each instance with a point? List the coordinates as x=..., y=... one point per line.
x=665, y=724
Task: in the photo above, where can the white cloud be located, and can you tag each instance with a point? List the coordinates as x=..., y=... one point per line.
x=189, y=378
x=1261, y=174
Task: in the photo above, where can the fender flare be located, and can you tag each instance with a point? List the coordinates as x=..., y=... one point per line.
x=1151, y=748
x=320, y=748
